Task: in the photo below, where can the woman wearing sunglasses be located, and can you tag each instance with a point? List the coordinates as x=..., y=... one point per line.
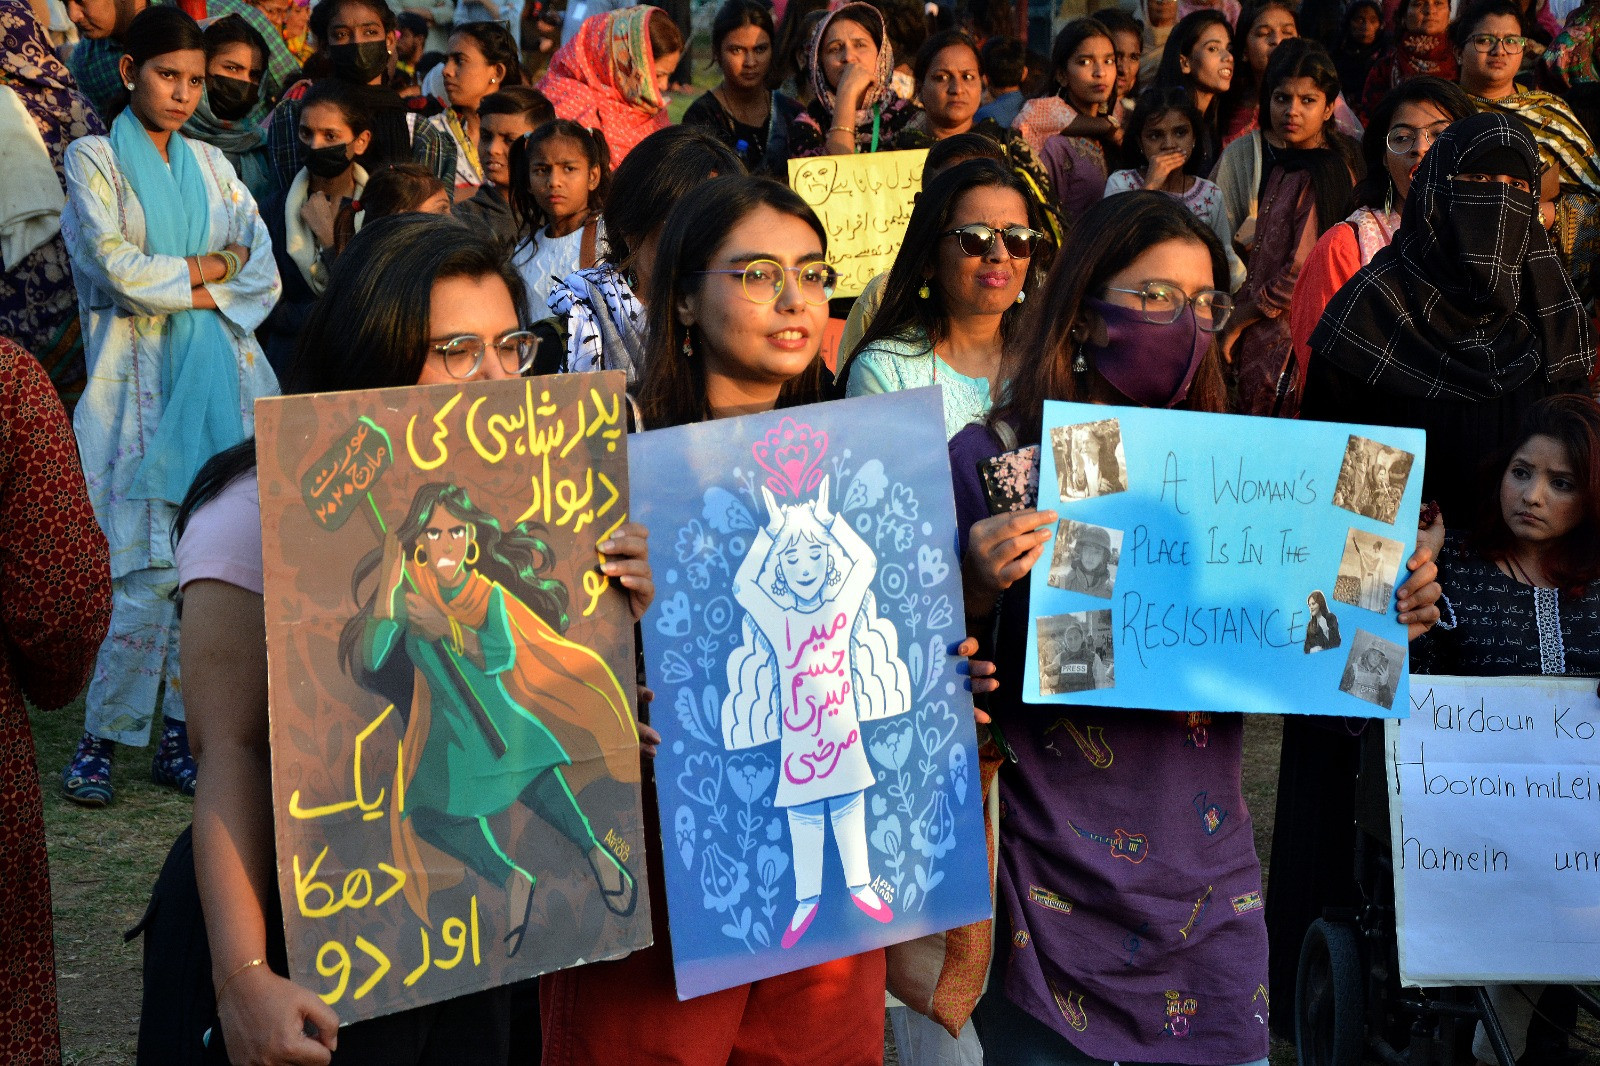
x=414, y=300
x=740, y=292
x=1130, y=316
x=955, y=292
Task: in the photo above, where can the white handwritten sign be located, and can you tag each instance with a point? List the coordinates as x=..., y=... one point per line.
x=1494, y=811
x=864, y=202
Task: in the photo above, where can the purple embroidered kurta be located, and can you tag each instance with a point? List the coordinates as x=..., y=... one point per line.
x=1128, y=875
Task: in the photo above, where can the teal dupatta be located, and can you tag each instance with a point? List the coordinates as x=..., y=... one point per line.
x=199, y=374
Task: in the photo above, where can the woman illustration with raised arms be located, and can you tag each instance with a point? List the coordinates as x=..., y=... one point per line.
x=815, y=662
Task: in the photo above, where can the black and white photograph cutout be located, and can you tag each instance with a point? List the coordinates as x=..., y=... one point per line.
x=1089, y=459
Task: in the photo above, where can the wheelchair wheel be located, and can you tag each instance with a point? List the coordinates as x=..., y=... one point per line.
x=1330, y=997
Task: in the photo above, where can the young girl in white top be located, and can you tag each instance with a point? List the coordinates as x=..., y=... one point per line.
x=559, y=176
x=1161, y=137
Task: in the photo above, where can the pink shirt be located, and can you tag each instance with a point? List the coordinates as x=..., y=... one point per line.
x=223, y=539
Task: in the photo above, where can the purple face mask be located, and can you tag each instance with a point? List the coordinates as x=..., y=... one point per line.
x=1150, y=363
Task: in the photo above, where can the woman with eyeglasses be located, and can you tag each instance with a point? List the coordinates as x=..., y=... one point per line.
x=740, y=300
x=1490, y=41
x=955, y=293
x=1129, y=316
x=414, y=299
x=1402, y=129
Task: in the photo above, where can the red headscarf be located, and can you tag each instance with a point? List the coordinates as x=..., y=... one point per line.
x=605, y=78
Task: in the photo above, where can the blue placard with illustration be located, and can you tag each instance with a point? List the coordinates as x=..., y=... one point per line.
x=818, y=775
x=1205, y=562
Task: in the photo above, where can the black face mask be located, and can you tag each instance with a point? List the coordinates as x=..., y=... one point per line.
x=329, y=161
x=360, y=63
x=230, y=98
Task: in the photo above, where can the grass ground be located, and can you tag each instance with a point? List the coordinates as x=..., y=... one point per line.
x=102, y=864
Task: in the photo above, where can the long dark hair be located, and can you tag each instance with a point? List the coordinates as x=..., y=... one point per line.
x=369, y=328
x=1573, y=421
x=1377, y=187
x=1108, y=237
x=1067, y=41
x=1333, y=170
x=518, y=559
x=1181, y=45
x=652, y=178
x=525, y=210
x=903, y=313
x=673, y=392
x=1245, y=91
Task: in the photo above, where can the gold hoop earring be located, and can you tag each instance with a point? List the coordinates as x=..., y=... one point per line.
x=418, y=556
x=472, y=554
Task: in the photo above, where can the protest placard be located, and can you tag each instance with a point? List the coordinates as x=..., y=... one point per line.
x=807, y=597
x=455, y=770
x=864, y=202
x=1494, y=789
x=1209, y=562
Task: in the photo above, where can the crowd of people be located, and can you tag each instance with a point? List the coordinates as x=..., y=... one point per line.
x=1382, y=212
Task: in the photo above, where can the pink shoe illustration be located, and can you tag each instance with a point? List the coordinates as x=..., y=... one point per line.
x=876, y=909
x=792, y=934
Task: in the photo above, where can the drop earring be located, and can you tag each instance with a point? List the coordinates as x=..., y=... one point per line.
x=922, y=293
x=688, y=347
x=1080, y=365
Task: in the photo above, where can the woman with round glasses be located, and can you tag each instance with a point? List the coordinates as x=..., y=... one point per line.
x=1128, y=316
x=955, y=293
x=414, y=299
x=1490, y=40
x=1402, y=129
x=740, y=291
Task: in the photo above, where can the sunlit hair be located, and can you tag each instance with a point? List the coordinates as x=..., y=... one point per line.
x=903, y=312
x=1109, y=236
x=1572, y=421
x=673, y=391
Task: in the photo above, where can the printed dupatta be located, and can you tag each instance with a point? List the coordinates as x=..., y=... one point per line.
x=605, y=78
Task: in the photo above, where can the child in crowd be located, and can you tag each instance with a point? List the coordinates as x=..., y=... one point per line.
x=559, y=177
x=1160, y=143
x=402, y=189
x=1308, y=188
x=1072, y=130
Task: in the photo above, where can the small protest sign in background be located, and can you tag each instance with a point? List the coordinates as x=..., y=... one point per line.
x=864, y=202
x=455, y=762
x=1494, y=789
x=1210, y=562
x=807, y=596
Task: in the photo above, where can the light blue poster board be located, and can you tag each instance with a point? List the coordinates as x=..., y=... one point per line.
x=1194, y=553
x=818, y=775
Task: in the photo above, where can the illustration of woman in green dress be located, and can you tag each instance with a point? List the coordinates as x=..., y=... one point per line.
x=463, y=634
